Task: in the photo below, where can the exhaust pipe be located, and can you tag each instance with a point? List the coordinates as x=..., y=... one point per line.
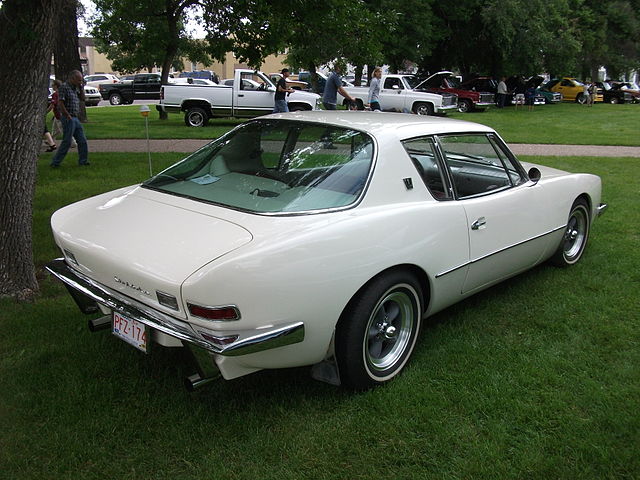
x=206, y=369
x=101, y=323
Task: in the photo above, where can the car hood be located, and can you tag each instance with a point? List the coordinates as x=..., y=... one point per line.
x=139, y=243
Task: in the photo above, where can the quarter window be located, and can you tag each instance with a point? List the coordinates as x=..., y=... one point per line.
x=423, y=155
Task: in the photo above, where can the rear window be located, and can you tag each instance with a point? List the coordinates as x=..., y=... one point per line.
x=275, y=166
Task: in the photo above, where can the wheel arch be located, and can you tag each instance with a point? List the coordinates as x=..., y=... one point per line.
x=420, y=275
x=187, y=104
x=305, y=106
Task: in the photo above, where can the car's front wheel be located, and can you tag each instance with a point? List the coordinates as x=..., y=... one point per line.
x=196, y=117
x=581, y=98
x=575, y=236
x=115, y=99
x=464, y=106
x=378, y=330
x=423, y=109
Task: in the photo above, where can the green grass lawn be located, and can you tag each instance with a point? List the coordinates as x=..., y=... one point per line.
x=536, y=378
x=568, y=123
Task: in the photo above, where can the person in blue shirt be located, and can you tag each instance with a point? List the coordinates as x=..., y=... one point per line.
x=332, y=87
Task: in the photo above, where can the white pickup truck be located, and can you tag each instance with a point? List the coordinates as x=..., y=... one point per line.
x=250, y=95
x=397, y=93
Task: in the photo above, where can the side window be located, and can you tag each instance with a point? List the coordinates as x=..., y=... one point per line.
x=423, y=155
x=476, y=165
x=392, y=82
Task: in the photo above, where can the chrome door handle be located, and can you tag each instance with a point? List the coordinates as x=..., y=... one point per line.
x=481, y=222
x=240, y=95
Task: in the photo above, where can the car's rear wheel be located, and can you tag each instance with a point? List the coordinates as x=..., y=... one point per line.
x=378, y=330
x=581, y=98
x=196, y=117
x=423, y=108
x=464, y=106
x=576, y=235
x=115, y=99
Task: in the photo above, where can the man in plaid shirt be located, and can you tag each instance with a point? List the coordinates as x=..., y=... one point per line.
x=69, y=108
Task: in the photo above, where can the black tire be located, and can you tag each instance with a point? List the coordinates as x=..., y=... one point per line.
x=378, y=330
x=115, y=99
x=580, y=98
x=613, y=100
x=464, y=106
x=423, y=108
x=575, y=237
x=196, y=117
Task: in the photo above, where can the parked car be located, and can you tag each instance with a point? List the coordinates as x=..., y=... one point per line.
x=317, y=238
x=628, y=88
x=92, y=96
x=571, y=89
x=614, y=95
x=144, y=86
x=398, y=93
x=255, y=97
x=447, y=82
x=98, y=78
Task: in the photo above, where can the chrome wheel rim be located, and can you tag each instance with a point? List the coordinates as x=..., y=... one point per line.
x=389, y=330
x=575, y=234
x=195, y=119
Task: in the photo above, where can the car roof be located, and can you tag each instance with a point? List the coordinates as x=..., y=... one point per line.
x=380, y=124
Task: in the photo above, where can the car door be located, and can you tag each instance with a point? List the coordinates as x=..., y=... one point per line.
x=504, y=212
x=393, y=94
x=254, y=95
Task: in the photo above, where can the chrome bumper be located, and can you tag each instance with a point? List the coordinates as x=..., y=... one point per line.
x=87, y=292
x=448, y=107
x=602, y=208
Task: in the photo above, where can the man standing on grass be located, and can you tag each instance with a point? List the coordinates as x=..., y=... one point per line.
x=281, y=91
x=69, y=107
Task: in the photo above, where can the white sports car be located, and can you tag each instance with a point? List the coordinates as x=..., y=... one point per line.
x=317, y=238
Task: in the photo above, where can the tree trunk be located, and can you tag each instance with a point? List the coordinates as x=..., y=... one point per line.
x=66, y=49
x=27, y=24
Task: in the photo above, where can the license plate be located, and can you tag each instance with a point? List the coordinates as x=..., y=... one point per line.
x=131, y=331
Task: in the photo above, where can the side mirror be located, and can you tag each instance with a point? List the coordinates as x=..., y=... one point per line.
x=534, y=175
x=271, y=89
x=395, y=87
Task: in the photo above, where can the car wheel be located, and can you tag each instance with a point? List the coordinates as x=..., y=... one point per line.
x=613, y=100
x=575, y=236
x=580, y=98
x=196, y=117
x=115, y=99
x=296, y=108
x=423, y=109
x=378, y=330
x=464, y=106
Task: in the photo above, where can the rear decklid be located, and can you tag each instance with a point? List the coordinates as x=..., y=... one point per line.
x=138, y=245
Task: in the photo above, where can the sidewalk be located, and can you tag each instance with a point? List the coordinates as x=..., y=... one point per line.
x=188, y=146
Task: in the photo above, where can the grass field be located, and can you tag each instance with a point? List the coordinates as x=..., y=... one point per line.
x=536, y=378
x=568, y=123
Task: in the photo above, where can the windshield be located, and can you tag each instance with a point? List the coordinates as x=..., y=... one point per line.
x=275, y=166
x=412, y=80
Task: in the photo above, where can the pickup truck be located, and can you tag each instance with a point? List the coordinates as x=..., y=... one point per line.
x=250, y=95
x=397, y=93
x=144, y=86
x=447, y=82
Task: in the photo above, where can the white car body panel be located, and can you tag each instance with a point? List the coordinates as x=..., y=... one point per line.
x=283, y=269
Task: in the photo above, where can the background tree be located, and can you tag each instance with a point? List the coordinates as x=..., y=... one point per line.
x=27, y=24
x=66, y=54
x=136, y=35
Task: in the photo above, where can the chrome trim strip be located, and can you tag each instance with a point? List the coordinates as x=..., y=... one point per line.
x=246, y=341
x=602, y=208
x=446, y=272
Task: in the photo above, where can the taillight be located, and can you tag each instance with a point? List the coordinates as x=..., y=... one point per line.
x=220, y=313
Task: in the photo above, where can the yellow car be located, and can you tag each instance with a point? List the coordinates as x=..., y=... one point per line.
x=571, y=89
